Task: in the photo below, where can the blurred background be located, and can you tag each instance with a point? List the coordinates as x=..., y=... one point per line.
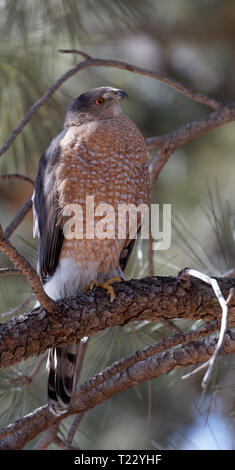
x=194, y=43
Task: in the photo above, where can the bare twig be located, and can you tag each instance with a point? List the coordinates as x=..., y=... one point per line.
x=230, y=273
x=196, y=371
x=5, y=271
x=171, y=142
x=59, y=442
x=22, y=212
x=92, y=62
x=76, y=52
x=224, y=321
x=73, y=429
x=19, y=261
x=37, y=366
x=170, y=325
x=28, y=116
x=12, y=176
x=223, y=329
x=151, y=74
x=23, y=379
x=150, y=255
x=47, y=438
x=231, y=298
x=81, y=354
x=16, y=309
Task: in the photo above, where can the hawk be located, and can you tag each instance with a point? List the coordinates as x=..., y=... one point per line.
x=100, y=153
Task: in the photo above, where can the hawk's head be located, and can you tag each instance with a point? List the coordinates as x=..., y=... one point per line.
x=98, y=103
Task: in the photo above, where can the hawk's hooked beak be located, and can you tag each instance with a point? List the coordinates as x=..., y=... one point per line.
x=121, y=94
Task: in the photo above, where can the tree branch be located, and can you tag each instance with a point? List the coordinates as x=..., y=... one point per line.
x=47, y=438
x=16, y=435
x=169, y=143
x=5, y=271
x=199, y=97
x=11, y=176
x=16, y=309
x=146, y=299
x=22, y=212
x=92, y=62
x=19, y=261
x=224, y=318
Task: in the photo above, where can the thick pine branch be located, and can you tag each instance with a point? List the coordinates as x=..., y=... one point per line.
x=151, y=298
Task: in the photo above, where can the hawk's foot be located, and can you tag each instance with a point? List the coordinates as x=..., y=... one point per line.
x=105, y=285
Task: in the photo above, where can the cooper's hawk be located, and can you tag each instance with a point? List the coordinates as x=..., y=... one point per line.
x=99, y=153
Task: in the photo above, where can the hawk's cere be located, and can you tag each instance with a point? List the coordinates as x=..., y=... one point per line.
x=99, y=153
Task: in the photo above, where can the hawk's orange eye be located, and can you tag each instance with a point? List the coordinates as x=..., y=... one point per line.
x=99, y=101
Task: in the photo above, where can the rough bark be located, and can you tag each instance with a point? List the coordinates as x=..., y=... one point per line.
x=151, y=298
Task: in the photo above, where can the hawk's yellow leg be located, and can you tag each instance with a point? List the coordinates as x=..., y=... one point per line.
x=105, y=285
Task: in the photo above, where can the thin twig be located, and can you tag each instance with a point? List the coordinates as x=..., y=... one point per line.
x=76, y=422
x=170, y=142
x=47, y=437
x=201, y=98
x=38, y=365
x=28, y=116
x=5, y=271
x=12, y=176
x=58, y=441
x=150, y=255
x=75, y=51
x=81, y=354
x=19, y=260
x=231, y=298
x=230, y=273
x=23, y=379
x=92, y=62
x=170, y=325
x=22, y=212
x=16, y=309
x=223, y=327
x=196, y=371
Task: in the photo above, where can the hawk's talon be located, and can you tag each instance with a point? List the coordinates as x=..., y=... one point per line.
x=91, y=286
x=112, y=280
x=105, y=285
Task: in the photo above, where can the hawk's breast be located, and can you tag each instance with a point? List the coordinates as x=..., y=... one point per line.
x=104, y=161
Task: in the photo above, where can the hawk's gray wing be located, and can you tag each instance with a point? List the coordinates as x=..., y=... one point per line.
x=46, y=210
x=126, y=252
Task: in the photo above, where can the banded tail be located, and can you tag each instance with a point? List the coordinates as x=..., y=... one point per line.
x=62, y=364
